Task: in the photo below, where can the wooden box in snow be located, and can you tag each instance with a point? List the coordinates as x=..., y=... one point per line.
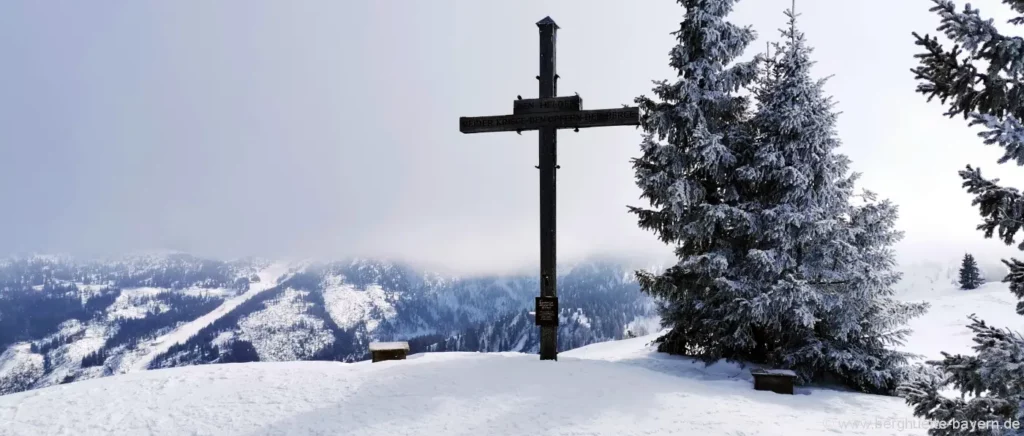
x=389, y=351
x=779, y=381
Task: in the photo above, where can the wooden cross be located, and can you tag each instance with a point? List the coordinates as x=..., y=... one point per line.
x=547, y=114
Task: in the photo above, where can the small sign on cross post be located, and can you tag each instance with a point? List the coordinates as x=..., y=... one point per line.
x=541, y=105
x=547, y=114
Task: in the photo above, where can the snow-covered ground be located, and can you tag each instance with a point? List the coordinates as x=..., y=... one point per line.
x=616, y=388
x=944, y=327
x=613, y=388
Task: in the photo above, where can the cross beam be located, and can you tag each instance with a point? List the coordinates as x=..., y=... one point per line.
x=555, y=120
x=547, y=114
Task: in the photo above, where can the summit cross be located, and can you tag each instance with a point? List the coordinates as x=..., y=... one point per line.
x=547, y=114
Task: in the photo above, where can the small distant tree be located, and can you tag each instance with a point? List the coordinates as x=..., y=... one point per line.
x=970, y=275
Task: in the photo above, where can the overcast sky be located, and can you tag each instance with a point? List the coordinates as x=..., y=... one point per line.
x=328, y=128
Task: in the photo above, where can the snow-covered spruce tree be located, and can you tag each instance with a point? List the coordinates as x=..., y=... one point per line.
x=775, y=265
x=687, y=172
x=979, y=78
x=970, y=275
x=820, y=269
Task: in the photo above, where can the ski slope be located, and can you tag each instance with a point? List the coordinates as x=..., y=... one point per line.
x=613, y=388
x=269, y=277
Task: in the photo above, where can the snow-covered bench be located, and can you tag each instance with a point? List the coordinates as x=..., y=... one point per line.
x=779, y=381
x=389, y=350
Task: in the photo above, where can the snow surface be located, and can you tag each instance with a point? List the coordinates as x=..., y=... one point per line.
x=631, y=391
x=377, y=346
x=269, y=277
x=944, y=328
x=208, y=292
x=783, y=372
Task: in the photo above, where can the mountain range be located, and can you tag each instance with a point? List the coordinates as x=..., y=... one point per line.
x=64, y=320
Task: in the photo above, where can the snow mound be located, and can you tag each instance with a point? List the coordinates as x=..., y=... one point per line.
x=617, y=388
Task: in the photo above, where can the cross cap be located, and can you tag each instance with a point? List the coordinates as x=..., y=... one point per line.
x=546, y=22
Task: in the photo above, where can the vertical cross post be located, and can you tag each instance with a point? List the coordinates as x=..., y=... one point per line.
x=547, y=149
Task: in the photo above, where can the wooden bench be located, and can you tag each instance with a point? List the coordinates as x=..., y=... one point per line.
x=381, y=351
x=779, y=381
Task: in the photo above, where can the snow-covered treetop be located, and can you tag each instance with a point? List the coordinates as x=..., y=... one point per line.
x=707, y=44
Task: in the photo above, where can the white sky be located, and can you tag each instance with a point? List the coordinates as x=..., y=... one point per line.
x=317, y=128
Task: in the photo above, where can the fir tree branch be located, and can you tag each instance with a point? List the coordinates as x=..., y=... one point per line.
x=1016, y=280
x=948, y=77
x=1002, y=209
x=945, y=77
x=1018, y=7
x=1007, y=133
